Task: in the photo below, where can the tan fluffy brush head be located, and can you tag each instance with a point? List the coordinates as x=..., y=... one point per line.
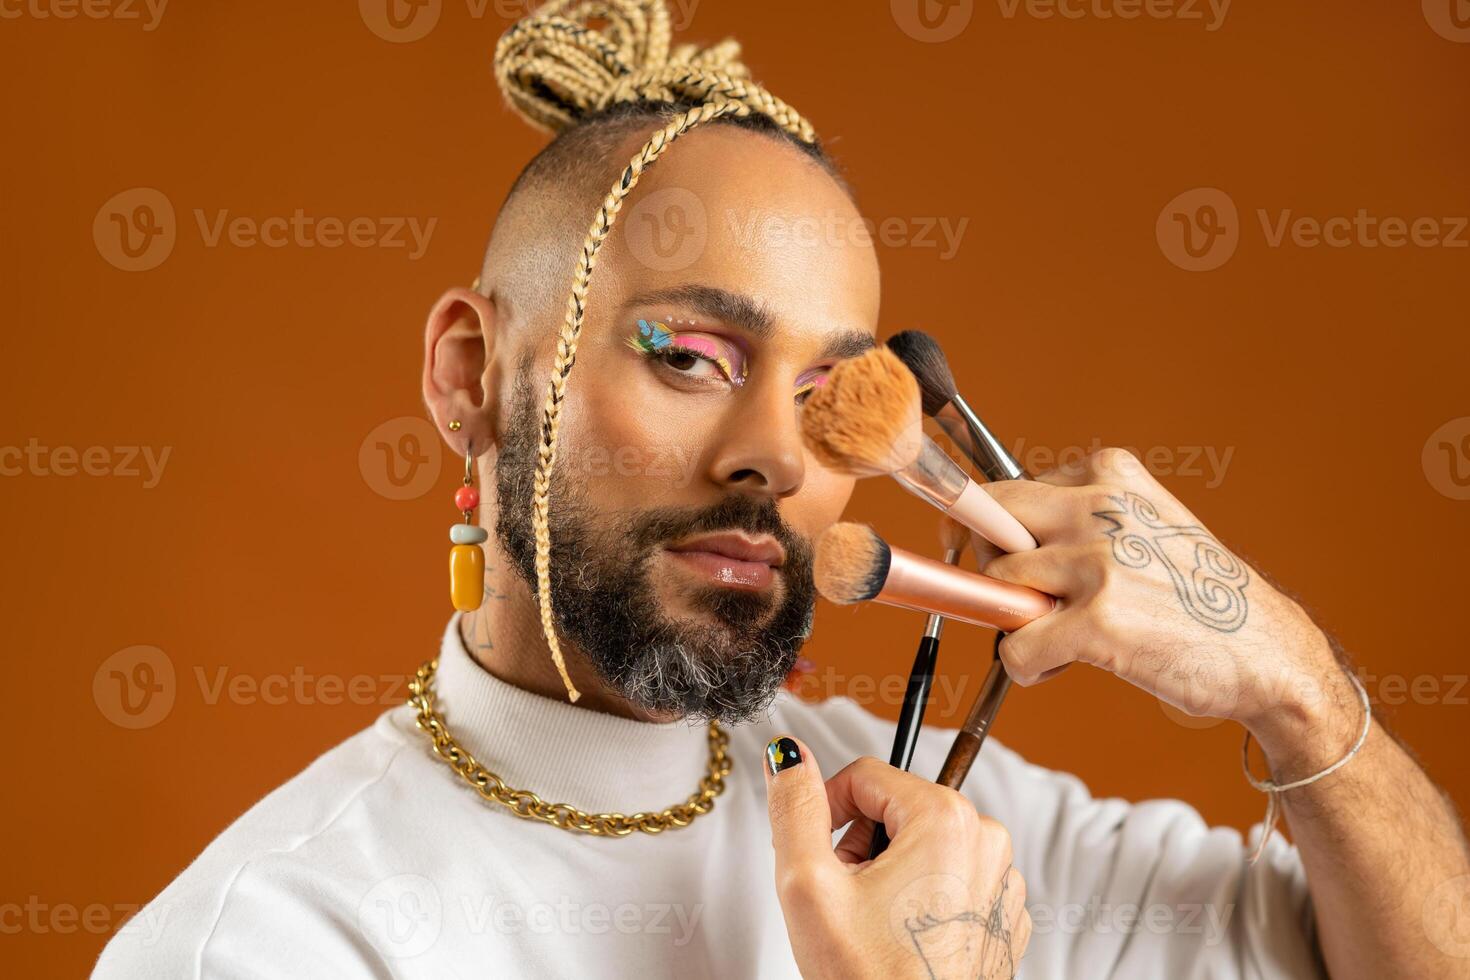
x=851, y=563
x=866, y=420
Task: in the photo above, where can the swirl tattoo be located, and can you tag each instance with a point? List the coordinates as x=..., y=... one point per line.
x=1209, y=580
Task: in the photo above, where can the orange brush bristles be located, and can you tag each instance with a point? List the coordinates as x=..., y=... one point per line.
x=851, y=563
x=867, y=419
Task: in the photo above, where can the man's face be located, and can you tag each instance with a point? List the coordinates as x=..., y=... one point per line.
x=684, y=503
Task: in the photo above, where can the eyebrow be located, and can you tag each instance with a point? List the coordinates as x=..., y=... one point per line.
x=747, y=313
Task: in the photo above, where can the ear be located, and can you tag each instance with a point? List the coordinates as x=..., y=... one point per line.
x=461, y=373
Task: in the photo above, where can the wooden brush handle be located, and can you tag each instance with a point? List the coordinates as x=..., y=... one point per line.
x=971, y=736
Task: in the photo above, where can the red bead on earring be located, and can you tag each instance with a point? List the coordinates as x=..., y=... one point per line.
x=466, y=558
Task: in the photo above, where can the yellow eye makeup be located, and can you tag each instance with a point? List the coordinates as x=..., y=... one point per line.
x=810, y=381
x=657, y=339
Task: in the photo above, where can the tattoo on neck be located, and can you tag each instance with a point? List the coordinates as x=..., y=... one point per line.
x=1208, y=579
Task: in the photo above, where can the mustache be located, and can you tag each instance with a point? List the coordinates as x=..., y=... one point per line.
x=732, y=513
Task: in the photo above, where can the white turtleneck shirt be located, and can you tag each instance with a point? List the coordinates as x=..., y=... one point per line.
x=378, y=861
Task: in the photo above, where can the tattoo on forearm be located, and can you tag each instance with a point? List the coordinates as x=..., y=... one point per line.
x=1209, y=580
x=945, y=936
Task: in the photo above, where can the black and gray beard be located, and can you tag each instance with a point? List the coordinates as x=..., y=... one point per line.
x=605, y=602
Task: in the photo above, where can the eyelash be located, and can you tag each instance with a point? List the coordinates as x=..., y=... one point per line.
x=662, y=345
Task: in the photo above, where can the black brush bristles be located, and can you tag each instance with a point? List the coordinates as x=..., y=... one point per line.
x=878, y=572
x=922, y=355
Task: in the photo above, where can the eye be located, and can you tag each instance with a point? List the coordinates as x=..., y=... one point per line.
x=808, y=383
x=691, y=363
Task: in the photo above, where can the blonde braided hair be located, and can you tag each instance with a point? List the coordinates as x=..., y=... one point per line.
x=556, y=71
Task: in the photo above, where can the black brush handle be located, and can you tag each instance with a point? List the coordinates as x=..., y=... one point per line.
x=915, y=699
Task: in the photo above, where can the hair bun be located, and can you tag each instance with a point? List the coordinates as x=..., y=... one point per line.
x=554, y=69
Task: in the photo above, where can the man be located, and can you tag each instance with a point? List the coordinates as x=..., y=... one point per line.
x=683, y=594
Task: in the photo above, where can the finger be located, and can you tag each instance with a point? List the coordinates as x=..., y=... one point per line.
x=1055, y=569
x=1039, y=650
x=875, y=790
x=1047, y=511
x=801, y=833
x=856, y=841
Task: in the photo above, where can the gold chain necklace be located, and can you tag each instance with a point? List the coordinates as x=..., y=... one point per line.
x=530, y=806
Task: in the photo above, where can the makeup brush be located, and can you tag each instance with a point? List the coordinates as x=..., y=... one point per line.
x=853, y=564
x=971, y=736
x=921, y=678
x=867, y=420
x=941, y=401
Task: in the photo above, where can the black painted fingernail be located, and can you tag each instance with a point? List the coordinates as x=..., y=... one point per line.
x=782, y=753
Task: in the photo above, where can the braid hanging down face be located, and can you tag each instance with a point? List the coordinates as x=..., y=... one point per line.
x=660, y=511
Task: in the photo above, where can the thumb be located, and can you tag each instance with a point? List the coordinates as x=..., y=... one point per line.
x=801, y=821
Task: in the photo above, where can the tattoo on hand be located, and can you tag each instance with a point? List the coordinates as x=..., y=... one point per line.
x=1209, y=580
x=996, y=959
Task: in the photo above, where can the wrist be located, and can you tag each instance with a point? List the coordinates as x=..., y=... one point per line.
x=1312, y=719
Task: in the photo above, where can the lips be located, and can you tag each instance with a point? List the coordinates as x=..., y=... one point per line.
x=731, y=559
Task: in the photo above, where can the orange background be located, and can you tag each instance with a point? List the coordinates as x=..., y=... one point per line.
x=267, y=548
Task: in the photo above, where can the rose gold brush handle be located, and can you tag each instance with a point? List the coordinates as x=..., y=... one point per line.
x=917, y=582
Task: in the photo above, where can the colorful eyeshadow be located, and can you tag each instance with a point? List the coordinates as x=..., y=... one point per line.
x=655, y=337
x=809, y=381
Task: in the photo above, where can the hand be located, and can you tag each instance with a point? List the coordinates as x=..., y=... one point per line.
x=942, y=902
x=1148, y=593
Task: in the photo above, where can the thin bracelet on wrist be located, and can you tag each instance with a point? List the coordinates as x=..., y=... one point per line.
x=1271, y=788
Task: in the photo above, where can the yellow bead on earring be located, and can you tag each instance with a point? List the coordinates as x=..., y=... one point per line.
x=466, y=558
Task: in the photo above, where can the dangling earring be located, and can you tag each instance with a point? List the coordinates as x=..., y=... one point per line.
x=466, y=558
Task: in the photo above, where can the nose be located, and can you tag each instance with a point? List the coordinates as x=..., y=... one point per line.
x=760, y=451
